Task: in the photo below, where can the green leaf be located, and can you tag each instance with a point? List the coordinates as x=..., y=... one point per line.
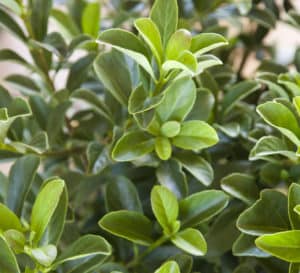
x=264, y=17
x=282, y=118
x=170, y=175
x=165, y=208
x=241, y=186
x=140, y=101
x=150, y=33
x=132, y=145
x=21, y=177
x=293, y=201
x=8, y=220
x=9, y=23
x=283, y=245
x=197, y=166
x=90, y=19
x=245, y=246
x=238, y=92
x=164, y=13
x=65, y=22
x=269, y=146
x=201, y=206
x=195, y=135
x=291, y=82
x=44, y=207
x=168, y=267
x=25, y=84
x=92, y=99
x=179, y=42
x=128, y=44
x=297, y=209
x=244, y=268
x=12, y=5
x=266, y=215
x=179, y=99
x=40, y=12
x=163, y=148
x=204, y=42
x=121, y=194
x=44, y=255
x=191, y=241
x=170, y=129
x=130, y=225
x=15, y=239
x=294, y=268
x=106, y=66
x=8, y=262
x=84, y=247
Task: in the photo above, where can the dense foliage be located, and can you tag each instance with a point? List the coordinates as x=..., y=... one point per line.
x=139, y=144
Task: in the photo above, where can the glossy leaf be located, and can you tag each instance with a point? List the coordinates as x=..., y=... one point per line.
x=163, y=148
x=179, y=42
x=293, y=201
x=129, y=225
x=8, y=261
x=9, y=220
x=90, y=18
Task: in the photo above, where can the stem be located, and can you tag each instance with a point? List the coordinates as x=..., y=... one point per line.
x=153, y=246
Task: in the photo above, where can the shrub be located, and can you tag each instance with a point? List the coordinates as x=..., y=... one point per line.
x=135, y=144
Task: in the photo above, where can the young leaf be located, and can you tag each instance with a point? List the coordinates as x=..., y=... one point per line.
x=163, y=148
x=204, y=42
x=150, y=33
x=179, y=42
x=132, y=145
x=165, y=208
x=21, y=177
x=168, y=267
x=195, y=135
x=8, y=261
x=44, y=255
x=191, y=241
x=283, y=245
x=8, y=220
x=200, y=207
x=91, y=18
x=179, y=99
x=165, y=21
x=12, y=5
x=130, y=225
x=281, y=117
x=44, y=207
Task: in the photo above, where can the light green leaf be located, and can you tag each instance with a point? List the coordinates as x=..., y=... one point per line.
x=195, y=135
x=207, y=61
x=282, y=118
x=191, y=241
x=197, y=166
x=297, y=209
x=201, y=206
x=121, y=194
x=15, y=239
x=168, y=267
x=179, y=99
x=130, y=225
x=290, y=82
x=283, y=245
x=8, y=220
x=266, y=215
x=165, y=208
x=132, y=146
x=293, y=201
x=241, y=186
x=21, y=176
x=44, y=207
x=296, y=102
x=204, y=42
x=164, y=14
x=12, y=5
x=90, y=20
x=150, y=33
x=65, y=22
x=84, y=247
x=179, y=42
x=8, y=261
x=163, y=148
x=44, y=255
